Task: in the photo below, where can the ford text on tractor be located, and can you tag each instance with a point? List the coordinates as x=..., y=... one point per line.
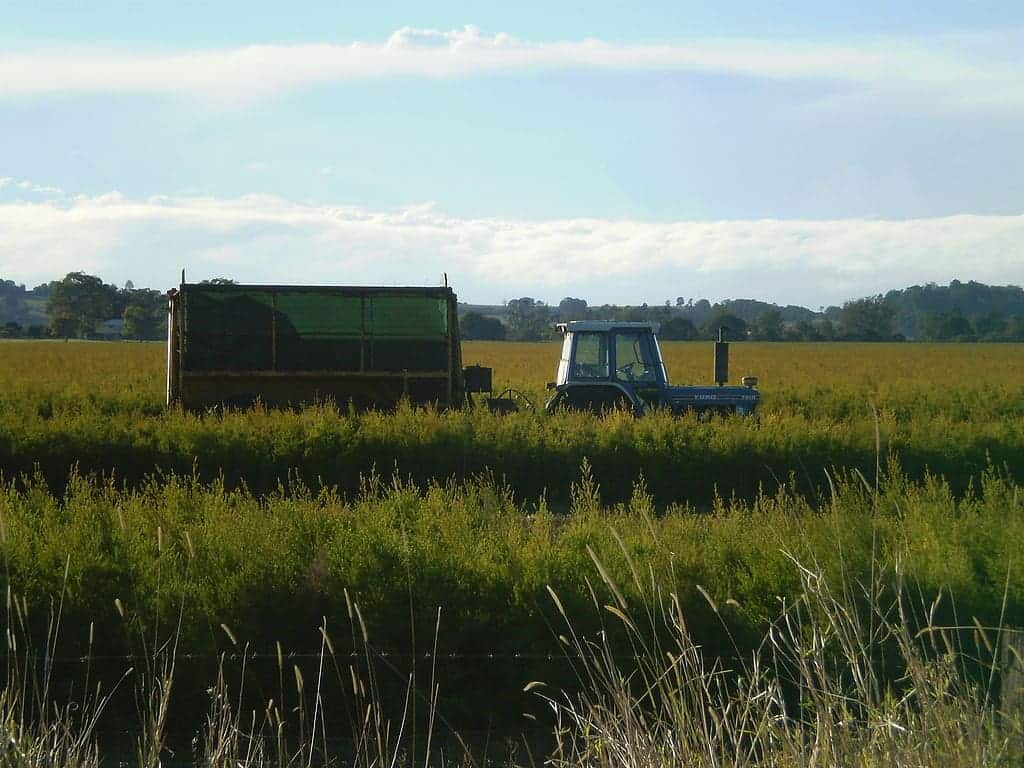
x=607, y=365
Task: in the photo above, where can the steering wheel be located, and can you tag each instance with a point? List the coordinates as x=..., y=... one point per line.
x=627, y=371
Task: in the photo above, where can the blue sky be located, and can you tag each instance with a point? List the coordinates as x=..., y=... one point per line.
x=798, y=152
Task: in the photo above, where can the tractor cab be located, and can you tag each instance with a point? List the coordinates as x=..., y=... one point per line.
x=606, y=365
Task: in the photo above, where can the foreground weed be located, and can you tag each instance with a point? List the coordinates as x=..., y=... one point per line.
x=814, y=693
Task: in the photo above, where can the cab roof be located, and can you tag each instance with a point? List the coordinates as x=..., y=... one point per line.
x=604, y=326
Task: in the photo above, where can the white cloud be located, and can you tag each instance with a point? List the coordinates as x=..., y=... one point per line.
x=966, y=70
x=27, y=186
x=261, y=238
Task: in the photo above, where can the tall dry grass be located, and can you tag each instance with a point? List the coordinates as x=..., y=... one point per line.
x=873, y=632
x=818, y=691
x=814, y=693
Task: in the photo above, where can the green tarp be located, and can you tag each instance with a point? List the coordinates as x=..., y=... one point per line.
x=253, y=329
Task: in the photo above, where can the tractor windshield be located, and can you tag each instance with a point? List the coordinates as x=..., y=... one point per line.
x=637, y=358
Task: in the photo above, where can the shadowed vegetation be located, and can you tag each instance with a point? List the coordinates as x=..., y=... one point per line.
x=950, y=410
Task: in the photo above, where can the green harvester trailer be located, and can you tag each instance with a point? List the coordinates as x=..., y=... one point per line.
x=282, y=345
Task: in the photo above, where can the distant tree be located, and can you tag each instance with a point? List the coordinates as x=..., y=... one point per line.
x=64, y=326
x=991, y=326
x=10, y=330
x=528, y=318
x=78, y=302
x=698, y=311
x=572, y=309
x=825, y=329
x=734, y=329
x=661, y=313
x=869, y=319
x=144, y=313
x=767, y=326
x=946, y=326
x=139, y=324
x=12, y=306
x=474, y=326
x=802, y=330
x=973, y=300
x=1015, y=328
x=43, y=290
x=219, y=281
x=678, y=329
x=11, y=288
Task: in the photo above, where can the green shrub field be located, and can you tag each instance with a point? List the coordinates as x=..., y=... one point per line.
x=271, y=567
x=251, y=529
x=952, y=410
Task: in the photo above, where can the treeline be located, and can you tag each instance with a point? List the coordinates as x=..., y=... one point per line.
x=82, y=306
x=957, y=312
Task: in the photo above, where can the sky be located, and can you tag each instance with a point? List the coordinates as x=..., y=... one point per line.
x=795, y=152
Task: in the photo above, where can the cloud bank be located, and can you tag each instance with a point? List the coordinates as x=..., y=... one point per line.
x=261, y=238
x=966, y=70
x=22, y=186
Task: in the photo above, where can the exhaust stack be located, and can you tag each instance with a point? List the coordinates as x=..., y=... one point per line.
x=721, y=358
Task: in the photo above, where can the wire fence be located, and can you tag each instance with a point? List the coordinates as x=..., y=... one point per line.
x=383, y=655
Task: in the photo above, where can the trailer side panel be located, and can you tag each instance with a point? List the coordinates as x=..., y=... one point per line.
x=285, y=345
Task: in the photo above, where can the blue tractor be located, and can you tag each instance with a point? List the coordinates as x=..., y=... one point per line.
x=607, y=365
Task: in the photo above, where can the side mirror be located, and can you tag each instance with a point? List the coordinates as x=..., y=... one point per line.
x=550, y=385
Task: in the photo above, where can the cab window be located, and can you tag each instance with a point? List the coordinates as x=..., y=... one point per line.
x=635, y=360
x=591, y=358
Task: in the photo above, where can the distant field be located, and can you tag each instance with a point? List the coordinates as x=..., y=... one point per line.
x=869, y=369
